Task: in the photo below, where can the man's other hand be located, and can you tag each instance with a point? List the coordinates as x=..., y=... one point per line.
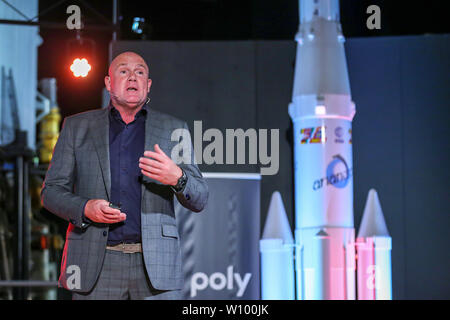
x=98, y=210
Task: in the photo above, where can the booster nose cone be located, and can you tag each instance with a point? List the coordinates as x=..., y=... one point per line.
x=373, y=223
x=277, y=224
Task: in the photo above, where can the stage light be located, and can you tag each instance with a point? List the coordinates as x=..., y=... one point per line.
x=80, y=67
x=138, y=25
x=80, y=55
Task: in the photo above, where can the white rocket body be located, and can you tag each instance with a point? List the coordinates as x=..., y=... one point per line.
x=322, y=113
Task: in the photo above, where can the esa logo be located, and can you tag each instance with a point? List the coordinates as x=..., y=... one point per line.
x=339, y=132
x=218, y=281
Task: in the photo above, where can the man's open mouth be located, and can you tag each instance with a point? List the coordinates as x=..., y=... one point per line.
x=132, y=89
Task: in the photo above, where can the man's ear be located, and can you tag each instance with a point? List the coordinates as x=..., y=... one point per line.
x=149, y=84
x=108, y=83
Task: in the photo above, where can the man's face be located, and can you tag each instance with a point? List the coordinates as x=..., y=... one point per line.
x=128, y=81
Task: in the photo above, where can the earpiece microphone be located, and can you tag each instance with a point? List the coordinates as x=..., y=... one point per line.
x=112, y=94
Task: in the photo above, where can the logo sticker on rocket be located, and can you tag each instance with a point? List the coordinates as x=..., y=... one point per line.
x=337, y=179
x=313, y=135
x=339, y=132
x=319, y=135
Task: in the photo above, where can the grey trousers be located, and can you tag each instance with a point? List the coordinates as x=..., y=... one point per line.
x=123, y=277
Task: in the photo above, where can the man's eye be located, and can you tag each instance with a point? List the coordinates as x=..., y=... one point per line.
x=141, y=72
x=123, y=72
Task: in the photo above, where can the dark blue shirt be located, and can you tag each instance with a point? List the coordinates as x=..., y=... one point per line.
x=126, y=146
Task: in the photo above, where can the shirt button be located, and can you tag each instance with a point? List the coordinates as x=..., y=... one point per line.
x=105, y=233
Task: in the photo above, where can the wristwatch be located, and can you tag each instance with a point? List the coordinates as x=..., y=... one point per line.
x=181, y=183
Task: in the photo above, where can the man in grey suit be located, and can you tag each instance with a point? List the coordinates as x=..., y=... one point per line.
x=117, y=193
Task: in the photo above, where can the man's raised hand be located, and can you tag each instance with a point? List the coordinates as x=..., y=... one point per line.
x=158, y=166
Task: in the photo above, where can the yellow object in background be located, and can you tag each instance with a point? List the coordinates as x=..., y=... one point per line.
x=49, y=133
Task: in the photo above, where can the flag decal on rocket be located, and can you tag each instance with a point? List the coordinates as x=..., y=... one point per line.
x=313, y=135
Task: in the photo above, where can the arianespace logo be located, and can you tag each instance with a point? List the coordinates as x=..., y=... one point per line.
x=219, y=281
x=338, y=174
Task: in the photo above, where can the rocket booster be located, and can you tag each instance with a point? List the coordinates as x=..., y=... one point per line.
x=373, y=247
x=277, y=254
x=322, y=114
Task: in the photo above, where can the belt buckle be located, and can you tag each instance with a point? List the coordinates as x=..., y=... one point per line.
x=125, y=248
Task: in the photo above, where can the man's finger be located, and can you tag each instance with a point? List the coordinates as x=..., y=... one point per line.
x=154, y=155
x=152, y=176
x=108, y=209
x=159, y=150
x=106, y=219
x=114, y=215
x=150, y=162
x=150, y=169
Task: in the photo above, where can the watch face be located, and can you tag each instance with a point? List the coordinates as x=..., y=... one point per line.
x=182, y=181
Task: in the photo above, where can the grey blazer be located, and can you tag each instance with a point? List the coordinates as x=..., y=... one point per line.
x=80, y=170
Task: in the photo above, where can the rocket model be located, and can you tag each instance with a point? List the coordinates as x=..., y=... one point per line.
x=277, y=254
x=327, y=260
x=322, y=112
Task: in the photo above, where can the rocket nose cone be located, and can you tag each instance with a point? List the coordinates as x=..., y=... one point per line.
x=373, y=223
x=277, y=224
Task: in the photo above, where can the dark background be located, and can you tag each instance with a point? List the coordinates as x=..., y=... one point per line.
x=400, y=130
x=399, y=83
x=204, y=20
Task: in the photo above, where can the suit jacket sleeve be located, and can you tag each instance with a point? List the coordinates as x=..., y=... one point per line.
x=57, y=193
x=194, y=196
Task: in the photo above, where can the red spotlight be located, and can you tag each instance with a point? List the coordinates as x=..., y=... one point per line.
x=80, y=67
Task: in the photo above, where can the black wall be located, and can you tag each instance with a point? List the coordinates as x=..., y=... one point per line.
x=400, y=131
x=401, y=148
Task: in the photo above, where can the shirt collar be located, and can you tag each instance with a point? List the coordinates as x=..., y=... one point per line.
x=115, y=113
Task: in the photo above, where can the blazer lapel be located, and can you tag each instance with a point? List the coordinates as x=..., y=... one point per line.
x=153, y=130
x=153, y=134
x=99, y=128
